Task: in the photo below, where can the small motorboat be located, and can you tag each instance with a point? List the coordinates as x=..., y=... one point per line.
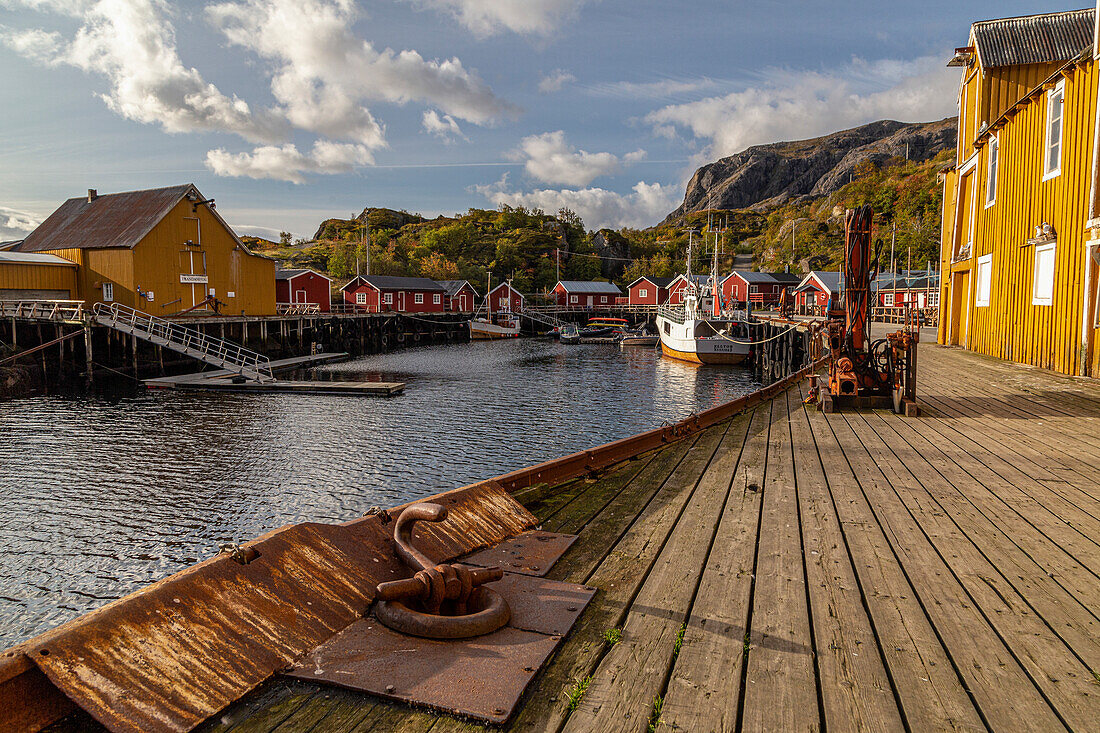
x=639, y=338
x=569, y=334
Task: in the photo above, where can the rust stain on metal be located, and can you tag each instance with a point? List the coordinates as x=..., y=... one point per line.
x=31, y=700
x=544, y=606
x=529, y=553
x=171, y=655
x=481, y=678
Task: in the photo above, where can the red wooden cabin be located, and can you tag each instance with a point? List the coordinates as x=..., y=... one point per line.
x=815, y=290
x=303, y=287
x=380, y=293
x=762, y=288
x=461, y=296
x=585, y=293
x=648, y=290
x=505, y=298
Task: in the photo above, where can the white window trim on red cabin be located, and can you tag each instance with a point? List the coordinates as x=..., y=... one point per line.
x=387, y=299
x=418, y=298
x=360, y=298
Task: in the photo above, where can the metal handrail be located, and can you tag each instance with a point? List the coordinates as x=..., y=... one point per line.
x=672, y=313
x=227, y=354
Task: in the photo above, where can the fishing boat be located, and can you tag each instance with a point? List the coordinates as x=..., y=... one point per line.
x=487, y=325
x=697, y=331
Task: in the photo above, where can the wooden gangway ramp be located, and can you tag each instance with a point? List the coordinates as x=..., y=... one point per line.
x=788, y=570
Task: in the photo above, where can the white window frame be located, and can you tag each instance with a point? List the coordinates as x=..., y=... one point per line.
x=994, y=153
x=437, y=299
x=360, y=298
x=388, y=299
x=574, y=299
x=418, y=298
x=108, y=292
x=1036, y=298
x=983, y=277
x=643, y=292
x=1057, y=95
x=888, y=299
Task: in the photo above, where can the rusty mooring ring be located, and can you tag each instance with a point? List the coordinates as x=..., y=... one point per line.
x=476, y=609
x=493, y=612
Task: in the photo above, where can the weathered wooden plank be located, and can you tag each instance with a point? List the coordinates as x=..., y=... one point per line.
x=781, y=682
x=704, y=689
x=624, y=685
x=1065, y=615
x=572, y=517
x=856, y=692
x=1002, y=690
x=928, y=687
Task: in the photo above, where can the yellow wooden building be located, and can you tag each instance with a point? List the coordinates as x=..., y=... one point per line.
x=161, y=250
x=36, y=276
x=1019, y=216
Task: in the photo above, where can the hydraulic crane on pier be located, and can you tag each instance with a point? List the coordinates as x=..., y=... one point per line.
x=866, y=373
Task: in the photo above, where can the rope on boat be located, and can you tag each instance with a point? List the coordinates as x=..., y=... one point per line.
x=753, y=343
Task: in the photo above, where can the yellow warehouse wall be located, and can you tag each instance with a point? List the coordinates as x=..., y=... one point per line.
x=18, y=276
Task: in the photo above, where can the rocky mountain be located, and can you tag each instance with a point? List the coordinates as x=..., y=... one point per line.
x=764, y=176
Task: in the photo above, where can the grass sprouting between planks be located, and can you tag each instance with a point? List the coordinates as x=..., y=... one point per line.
x=576, y=692
x=655, y=716
x=613, y=636
x=679, y=641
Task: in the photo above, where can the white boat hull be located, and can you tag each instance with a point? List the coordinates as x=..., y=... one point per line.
x=481, y=330
x=679, y=342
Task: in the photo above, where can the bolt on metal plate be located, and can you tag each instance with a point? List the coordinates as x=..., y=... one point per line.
x=529, y=553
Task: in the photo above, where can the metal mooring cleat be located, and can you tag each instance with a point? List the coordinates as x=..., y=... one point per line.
x=440, y=601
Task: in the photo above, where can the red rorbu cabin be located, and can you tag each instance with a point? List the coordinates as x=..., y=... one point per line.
x=649, y=290
x=677, y=290
x=303, y=287
x=381, y=293
x=585, y=294
x=816, y=288
x=461, y=296
x=762, y=288
x=505, y=298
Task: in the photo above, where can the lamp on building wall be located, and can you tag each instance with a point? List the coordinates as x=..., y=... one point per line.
x=962, y=57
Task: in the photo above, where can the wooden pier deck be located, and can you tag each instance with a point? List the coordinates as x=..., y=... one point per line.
x=789, y=570
x=221, y=380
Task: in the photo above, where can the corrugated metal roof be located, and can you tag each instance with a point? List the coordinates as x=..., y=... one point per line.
x=453, y=286
x=391, y=282
x=288, y=274
x=751, y=276
x=831, y=280
x=34, y=258
x=1034, y=39
x=584, y=286
x=109, y=220
x=661, y=282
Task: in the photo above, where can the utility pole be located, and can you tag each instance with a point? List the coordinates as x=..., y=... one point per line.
x=893, y=262
x=557, y=269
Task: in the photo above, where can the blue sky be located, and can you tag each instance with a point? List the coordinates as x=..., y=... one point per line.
x=292, y=111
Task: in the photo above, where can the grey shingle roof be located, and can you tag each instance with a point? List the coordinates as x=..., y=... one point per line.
x=830, y=280
x=660, y=282
x=287, y=274
x=1034, y=39
x=110, y=220
x=584, y=286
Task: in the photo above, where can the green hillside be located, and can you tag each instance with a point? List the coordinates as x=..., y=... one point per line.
x=526, y=245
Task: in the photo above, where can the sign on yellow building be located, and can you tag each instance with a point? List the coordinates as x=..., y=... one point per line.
x=1018, y=251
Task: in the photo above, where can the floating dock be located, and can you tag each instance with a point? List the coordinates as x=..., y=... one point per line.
x=785, y=569
x=222, y=380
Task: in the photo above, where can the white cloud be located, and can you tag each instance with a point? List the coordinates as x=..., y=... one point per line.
x=287, y=163
x=131, y=43
x=653, y=89
x=555, y=80
x=443, y=127
x=487, y=17
x=550, y=158
x=792, y=106
x=324, y=73
x=646, y=205
x=16, y=224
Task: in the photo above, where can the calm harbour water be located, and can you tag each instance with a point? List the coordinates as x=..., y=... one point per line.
x=105, y=493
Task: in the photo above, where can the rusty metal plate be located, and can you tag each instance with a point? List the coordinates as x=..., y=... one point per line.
x=544, y=606
x=171, y=655
x=530, y=553
x=480, y=678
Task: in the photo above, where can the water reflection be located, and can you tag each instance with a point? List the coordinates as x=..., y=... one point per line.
x=105, y=493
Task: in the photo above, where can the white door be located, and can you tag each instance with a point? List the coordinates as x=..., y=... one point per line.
x=401, y=300
x=590, y=299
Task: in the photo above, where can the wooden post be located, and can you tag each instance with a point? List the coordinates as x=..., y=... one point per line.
x=14, y=333
x=133, y=353
x=160, y=359
x=88, y=354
